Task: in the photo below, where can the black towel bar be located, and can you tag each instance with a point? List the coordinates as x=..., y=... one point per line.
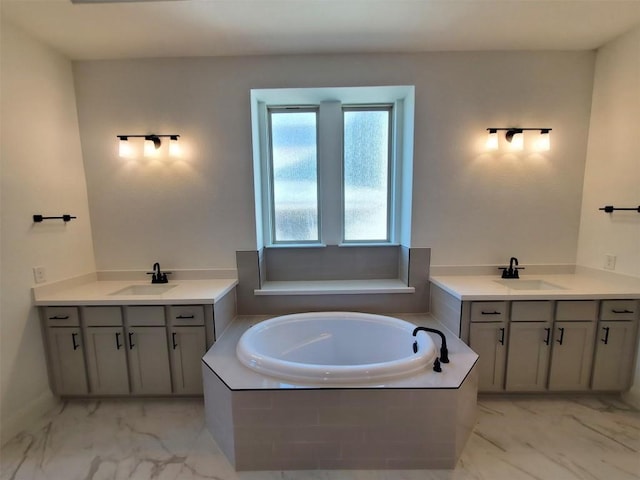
x=65, y=217
x=611, y=208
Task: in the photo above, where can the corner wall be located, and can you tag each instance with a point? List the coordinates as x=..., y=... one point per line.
x=42, y=172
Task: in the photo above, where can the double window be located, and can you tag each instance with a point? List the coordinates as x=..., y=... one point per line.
x=329, y=172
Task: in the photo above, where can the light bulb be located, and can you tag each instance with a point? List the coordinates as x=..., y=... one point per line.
x=516, y=139
x=543, y=143
x=151, y=146
x=174, y=146
x=492, y=139
x=124, y=148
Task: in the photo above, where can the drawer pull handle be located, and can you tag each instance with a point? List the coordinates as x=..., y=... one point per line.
x=491, y=313
x=548, y=337
x=73, y=341
x=118, y=344
x=61, y=317
x=184, y=317
x=561, y=335
x=131, y=344
x=622, y=311
x=501, y=336
x=605, y=340
x=173, y=340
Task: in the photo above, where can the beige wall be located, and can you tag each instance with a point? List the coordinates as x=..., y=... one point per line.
x=42, y=172
x=612, y=175
x=470, y=207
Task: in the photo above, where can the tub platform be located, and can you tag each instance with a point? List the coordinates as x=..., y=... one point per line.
x=261, y=423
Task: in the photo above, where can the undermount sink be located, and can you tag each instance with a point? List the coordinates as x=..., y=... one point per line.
x=144, y=289
x=518, y=284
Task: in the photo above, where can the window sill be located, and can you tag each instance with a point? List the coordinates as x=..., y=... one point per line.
x=334, y=287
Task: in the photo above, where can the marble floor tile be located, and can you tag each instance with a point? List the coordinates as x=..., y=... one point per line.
x=515, y=437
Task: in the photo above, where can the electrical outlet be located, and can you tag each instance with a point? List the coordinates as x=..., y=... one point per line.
x=610, y=262
x=39, y=274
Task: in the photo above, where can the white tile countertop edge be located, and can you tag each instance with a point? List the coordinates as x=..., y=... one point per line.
x=333, y=287
x=221, y=359
x=100, y=293
x=585, y=284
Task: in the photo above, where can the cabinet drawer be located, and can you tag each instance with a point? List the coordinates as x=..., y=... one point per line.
x=488, y=311
x=578, y=310
x=619, y=310
x=102, y=316
x=186, y=315
x=145, y=316
x=62, y=316
x=539, y=311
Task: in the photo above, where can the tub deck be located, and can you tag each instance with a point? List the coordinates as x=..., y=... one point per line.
x=416, y=422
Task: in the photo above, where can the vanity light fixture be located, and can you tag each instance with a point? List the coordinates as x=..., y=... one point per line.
x=515, y=137
x=152, y=143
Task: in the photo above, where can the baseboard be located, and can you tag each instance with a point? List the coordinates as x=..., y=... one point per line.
x=27, y=416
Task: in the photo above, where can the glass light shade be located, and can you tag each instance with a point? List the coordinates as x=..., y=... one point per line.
x=543, y=143
x=174, y=147
x=124, y=148
x=517, y=141
x=150, y=148
x=492, y=140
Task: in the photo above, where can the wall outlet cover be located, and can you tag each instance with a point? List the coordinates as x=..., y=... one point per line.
x=610, y=262
x=39, y=274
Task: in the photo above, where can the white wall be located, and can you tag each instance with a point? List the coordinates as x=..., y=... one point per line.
x=42, y=172
x=470, y=207
x=612, y=175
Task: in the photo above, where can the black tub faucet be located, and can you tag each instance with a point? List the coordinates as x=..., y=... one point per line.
x=158, y=276
x=444, y=351
x=512, y=270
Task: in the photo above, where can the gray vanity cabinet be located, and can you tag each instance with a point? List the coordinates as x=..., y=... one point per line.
x=106, y=350
x=147, y=350
x=66, y=347
x=487, y=337
x=572, y=351
x=187, y=346
x=615, y=345
x=529, y=346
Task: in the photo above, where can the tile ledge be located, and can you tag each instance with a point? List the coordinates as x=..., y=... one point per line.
x=334, y=287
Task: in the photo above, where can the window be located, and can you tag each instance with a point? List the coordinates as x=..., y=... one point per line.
x=332, y=166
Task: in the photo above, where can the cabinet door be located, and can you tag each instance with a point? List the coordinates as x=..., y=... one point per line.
x=612, y=365
x=106, y=361
x=67, y=361
x=148, y=360
x=187, y=347
x=571, y=355
x=488, y=341
x=528, y=358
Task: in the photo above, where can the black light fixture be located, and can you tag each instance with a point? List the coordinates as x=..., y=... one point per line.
x=152, y=143
x=515, y=137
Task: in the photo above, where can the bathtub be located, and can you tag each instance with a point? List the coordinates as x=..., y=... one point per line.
x=334, y=347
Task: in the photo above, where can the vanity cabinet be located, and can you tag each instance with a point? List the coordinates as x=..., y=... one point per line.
x=615, y=345
x=487, y=337
x=147, y=350
x=66, y=360
x=187, y=347
x=105, y=350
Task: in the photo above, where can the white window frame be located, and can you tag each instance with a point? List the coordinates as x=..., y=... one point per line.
x=330, y=102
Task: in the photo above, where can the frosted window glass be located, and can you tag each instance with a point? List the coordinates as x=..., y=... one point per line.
x=366, y=174
x=295, y=176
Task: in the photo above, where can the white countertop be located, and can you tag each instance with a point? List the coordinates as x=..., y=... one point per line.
x=588, y=284
x=100, y=293
x=221, y=359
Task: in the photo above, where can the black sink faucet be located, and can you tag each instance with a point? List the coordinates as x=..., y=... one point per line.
x=158, y=276
x=512, y=270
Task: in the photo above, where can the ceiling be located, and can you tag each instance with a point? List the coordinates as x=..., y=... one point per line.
x=178, y=28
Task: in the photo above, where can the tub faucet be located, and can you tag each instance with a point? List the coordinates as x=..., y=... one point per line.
x=444, y=352
x=512, y=270
x=158, y=276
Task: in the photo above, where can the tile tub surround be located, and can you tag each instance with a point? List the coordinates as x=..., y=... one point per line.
x=262, y=423
x=515, y=438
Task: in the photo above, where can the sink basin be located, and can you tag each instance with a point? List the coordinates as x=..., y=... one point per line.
x=519, y=284
x=144, y=289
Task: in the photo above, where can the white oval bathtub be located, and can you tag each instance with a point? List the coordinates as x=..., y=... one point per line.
x=334, y=347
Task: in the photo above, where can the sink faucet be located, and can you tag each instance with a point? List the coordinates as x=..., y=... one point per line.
x=158, y=276
x=512, y=270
